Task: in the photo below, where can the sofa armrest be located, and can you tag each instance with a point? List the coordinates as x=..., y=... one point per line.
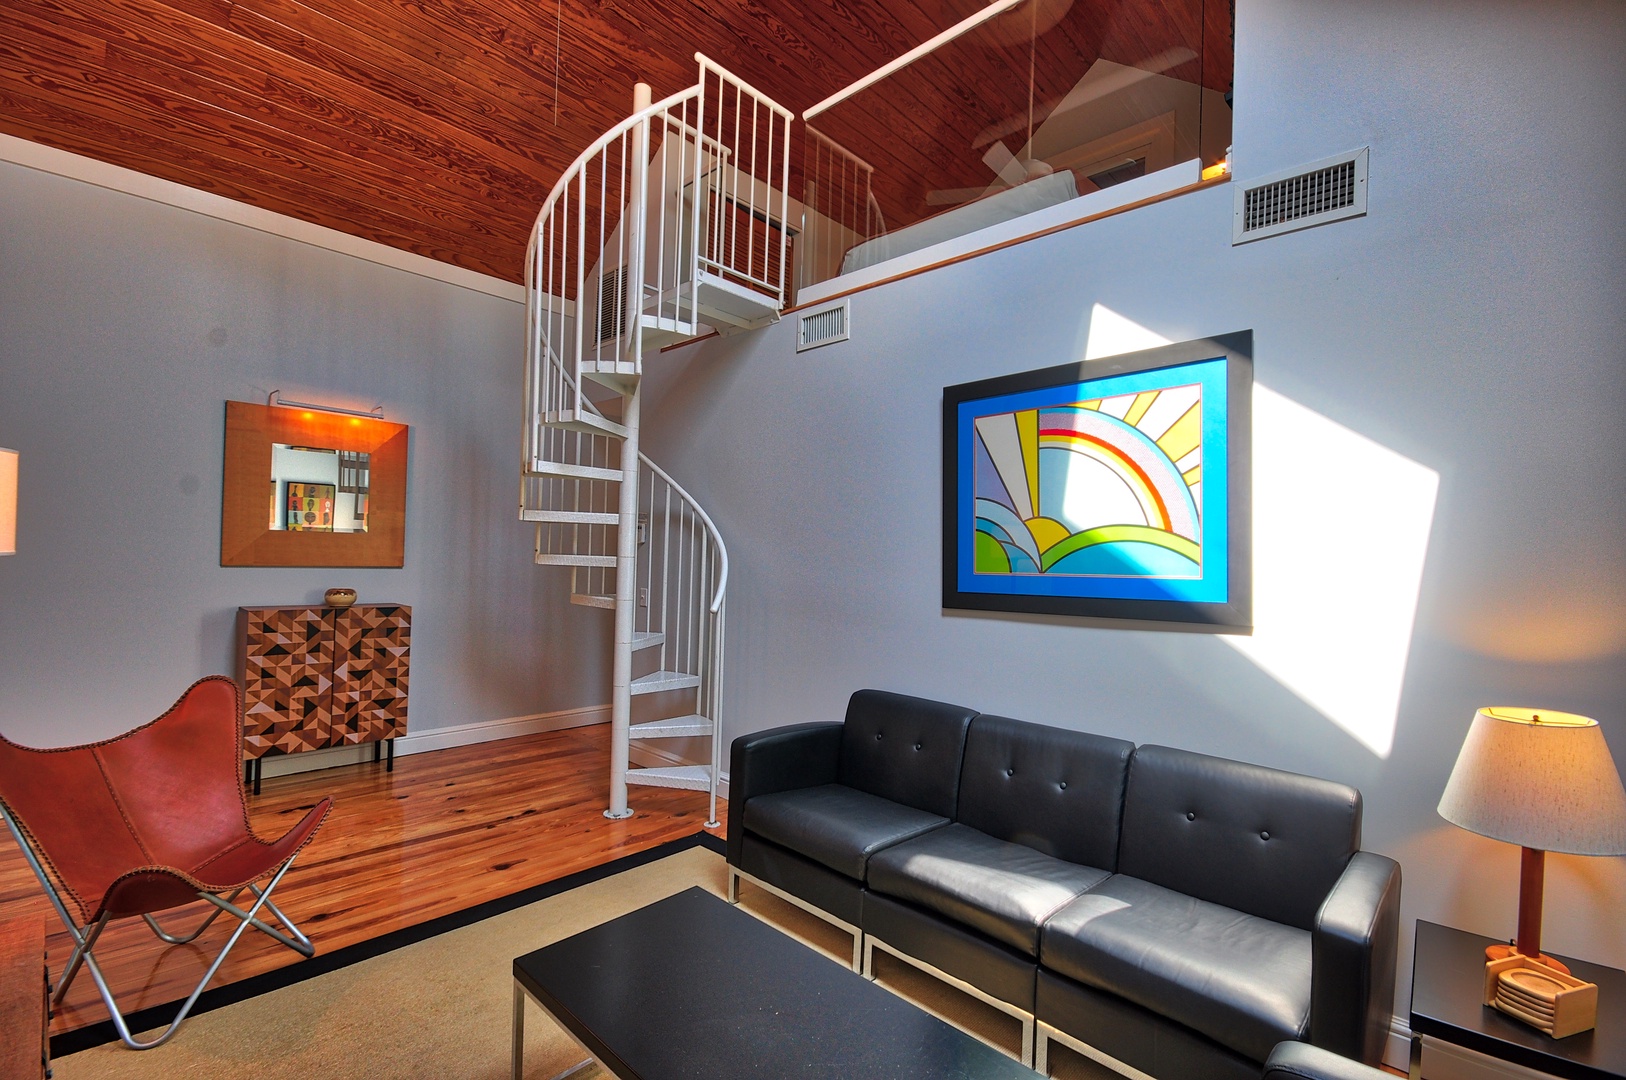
x=1301, y=1061
x=1353, y=950
x=781, y=759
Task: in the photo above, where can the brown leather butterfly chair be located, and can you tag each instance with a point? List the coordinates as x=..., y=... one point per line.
x=148, y=821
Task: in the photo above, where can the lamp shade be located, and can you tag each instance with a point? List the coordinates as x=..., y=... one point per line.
x=8, y=501
x=1539, y=779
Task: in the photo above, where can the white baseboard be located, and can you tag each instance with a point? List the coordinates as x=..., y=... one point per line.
x=1444, y=1061
x=1397, y=1051
x=441, y=738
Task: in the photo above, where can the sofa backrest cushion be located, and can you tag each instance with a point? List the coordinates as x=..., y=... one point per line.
x=906, y=749
x=1057, y=791
x=1264, y=842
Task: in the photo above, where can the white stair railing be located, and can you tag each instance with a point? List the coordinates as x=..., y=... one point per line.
x=671, y=223
x=682, y=586
x=673, y=217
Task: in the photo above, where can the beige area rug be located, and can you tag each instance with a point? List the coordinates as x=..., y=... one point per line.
x=441, y=1008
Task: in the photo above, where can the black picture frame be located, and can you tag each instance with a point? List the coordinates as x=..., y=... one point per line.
x=1173, y=589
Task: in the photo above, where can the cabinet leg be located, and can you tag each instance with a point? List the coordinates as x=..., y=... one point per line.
x=391, y=757
x=378, y=752
x=259, y=771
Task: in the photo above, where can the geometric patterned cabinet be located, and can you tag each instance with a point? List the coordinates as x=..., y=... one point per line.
x=319, y=676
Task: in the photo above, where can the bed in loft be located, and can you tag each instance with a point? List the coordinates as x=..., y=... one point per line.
x=1012, y=203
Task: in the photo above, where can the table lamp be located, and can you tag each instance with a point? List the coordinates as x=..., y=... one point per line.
x=8, y=501
x=1543, y=780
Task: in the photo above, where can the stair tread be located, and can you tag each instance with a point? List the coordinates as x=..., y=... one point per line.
x=590, y=600
x=571, y=517
x=720, y=299
x=659, y=331
x=672, y=728
x=692, y=777
x=579, y=472
x=584, y=421
x=657, y=681
x=645, y=639
x=620, y=378
x=551, y=558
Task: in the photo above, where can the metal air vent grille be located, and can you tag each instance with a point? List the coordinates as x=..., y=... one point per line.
x=1314, y=195
x=824, y=327
x=612, y=303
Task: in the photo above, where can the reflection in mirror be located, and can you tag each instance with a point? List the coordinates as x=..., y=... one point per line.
x=314, y=489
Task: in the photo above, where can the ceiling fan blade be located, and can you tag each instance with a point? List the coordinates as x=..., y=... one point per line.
x=1004, y=163
x=1089, y=88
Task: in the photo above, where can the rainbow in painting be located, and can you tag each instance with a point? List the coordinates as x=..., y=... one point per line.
x=1100, y=488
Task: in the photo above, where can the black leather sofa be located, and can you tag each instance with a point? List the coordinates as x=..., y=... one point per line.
x=1167, y=911
x=1301, y=1061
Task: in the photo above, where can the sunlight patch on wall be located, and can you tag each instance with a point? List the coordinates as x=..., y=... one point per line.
x=1111, y=334
x=1340, y=532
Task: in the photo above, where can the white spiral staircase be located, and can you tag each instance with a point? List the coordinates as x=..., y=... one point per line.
x=670, y=225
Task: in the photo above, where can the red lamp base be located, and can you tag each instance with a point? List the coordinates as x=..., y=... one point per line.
x=1532, y=872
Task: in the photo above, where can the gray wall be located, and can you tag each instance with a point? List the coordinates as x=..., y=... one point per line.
x=1471, y=323
x=124, y=327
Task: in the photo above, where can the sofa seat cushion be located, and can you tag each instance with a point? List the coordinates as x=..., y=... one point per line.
x=1241, y=980
x=836, y=825
x=1000, y=889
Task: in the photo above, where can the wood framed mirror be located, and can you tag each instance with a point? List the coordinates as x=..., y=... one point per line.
x=304, y=487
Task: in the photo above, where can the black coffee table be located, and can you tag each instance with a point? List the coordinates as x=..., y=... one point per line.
x=691, y=986
x=1448, y=1003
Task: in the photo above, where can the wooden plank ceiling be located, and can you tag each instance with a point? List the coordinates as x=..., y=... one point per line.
x=435, y=126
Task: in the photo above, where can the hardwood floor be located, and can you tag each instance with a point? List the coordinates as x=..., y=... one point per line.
x=446, y=830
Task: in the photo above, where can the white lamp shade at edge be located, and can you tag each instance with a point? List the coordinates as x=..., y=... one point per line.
x=1551, y=784
x=8, y=501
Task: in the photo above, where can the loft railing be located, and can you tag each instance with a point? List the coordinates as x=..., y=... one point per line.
x=840, y=208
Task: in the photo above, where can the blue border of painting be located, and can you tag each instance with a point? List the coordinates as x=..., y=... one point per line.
x=1214, y=584
x=1220, y=601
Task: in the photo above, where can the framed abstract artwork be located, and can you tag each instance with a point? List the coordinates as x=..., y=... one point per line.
x=1113, y=489
x=310, y=507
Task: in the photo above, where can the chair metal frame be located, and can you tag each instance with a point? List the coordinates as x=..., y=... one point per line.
x=85, y=937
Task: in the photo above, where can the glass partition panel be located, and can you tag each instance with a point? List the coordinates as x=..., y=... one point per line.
x=1044, y=102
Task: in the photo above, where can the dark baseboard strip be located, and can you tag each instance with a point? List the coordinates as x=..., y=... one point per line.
x=71, y=1042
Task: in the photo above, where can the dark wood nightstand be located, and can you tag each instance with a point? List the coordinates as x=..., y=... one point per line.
x=1447, y=1003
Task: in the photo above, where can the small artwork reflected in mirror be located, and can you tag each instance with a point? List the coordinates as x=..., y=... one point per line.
x=315, y=489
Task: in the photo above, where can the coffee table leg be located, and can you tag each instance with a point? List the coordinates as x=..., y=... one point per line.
x=518, y=1055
